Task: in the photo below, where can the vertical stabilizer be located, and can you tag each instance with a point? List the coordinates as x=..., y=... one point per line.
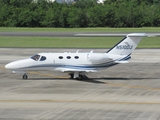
x=127, y=45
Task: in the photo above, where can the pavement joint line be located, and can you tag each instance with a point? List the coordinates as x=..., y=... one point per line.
x=76, y=101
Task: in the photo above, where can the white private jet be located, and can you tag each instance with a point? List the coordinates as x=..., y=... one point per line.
x=77, y=64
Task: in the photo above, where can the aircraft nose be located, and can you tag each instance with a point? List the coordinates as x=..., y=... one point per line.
x=10, y=66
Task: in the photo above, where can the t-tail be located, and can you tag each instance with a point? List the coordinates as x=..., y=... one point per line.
x=127, y=45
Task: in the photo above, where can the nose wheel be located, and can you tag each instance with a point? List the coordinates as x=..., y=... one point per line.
x=25, y=77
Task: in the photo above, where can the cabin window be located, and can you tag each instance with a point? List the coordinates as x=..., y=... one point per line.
x=43, y=58
x=68, y=57
x=76, y=57
x=35, y=57
x=60, y=57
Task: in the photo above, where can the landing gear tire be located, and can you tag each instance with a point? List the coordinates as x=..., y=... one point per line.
x=71, y=76
x=80, y=77
x=25, y=77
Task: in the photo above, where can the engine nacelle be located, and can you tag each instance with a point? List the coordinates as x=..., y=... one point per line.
x=98, y=57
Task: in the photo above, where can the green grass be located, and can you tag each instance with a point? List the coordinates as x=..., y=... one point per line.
x=72, y=42
x=143, y=29
x=151, y=42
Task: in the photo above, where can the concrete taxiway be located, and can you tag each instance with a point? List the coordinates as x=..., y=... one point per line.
x=123, y=92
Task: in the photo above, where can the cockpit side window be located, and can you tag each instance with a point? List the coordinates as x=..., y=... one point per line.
x=43, y=58
x=35, y=57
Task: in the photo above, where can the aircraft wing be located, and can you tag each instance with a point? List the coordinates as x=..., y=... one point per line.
x=77, y=69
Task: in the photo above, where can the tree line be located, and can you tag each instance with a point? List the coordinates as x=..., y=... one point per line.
x=83, y=13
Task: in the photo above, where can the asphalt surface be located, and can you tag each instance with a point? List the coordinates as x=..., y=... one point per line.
x=123, y=92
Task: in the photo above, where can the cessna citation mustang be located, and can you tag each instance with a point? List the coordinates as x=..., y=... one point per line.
x=77, y=64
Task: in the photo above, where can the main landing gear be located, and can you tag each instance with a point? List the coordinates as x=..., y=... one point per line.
x=25, y=77
x=77, y=75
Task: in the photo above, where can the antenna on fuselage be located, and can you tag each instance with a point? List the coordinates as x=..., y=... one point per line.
x=77, y=51
x=91, y=51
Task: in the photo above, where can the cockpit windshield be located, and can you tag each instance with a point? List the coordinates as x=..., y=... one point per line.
x=43, y=58
x=35, y=57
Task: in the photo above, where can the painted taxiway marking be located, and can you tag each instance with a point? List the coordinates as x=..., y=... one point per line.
x=75, y=101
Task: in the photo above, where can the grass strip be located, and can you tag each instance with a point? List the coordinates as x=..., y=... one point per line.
x=99, y=29
x=71, y=42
